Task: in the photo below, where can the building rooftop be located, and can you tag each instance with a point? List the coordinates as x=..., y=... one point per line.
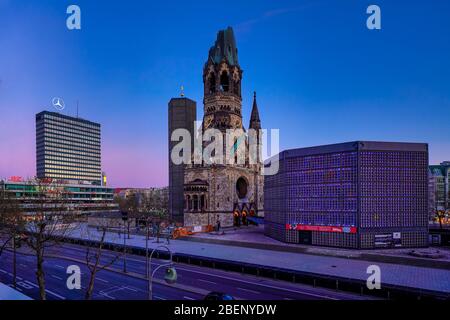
x=357, y=146
x=57, y=114
x=350, y=146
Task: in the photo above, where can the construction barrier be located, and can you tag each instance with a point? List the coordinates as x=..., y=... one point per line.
x=187, y=231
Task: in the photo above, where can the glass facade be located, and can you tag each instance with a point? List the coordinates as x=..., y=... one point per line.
x=67, y=148
x=355, y=195
x=81, y=198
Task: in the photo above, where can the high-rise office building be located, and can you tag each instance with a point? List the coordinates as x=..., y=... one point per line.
x=439, y=193
x=182, y=115
x=354, y=195
x=67, y=148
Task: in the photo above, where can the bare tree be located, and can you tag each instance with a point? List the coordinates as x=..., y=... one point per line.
x=129, y=205
x=440, y=215
x=51, y=222
x=94, y=254
x=155, y=208
x=11, y=225
x=10, y=219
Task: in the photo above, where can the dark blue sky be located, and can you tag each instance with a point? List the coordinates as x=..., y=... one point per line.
x=321, y=76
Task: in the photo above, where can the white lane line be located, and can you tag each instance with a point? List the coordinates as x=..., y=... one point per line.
x=16, y=288
x=102, y=280
x=210, y=282
x=130, y=288
x=248, y=290
x=58, y=266
x=23, y=265
x=31, y=283
x=3, y=271
x=107, y=295
x=259, y=284
x=188, y=298
x=56, y=277
x=244, y=281
x=55, y=294
x=159, y=298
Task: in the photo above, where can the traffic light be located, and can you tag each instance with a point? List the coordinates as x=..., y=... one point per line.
x=171, y=275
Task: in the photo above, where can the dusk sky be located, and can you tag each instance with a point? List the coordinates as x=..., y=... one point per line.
x=321, y=76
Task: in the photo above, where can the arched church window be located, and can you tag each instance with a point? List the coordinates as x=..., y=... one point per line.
x=224, y=82
x=202, y=202
x=237, y=87
x=212, y=83
x=195, y=202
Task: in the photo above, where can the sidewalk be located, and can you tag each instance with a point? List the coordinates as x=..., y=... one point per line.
x=393, y=274
x=253, y=237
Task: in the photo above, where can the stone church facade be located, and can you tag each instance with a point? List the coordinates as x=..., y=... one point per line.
x=227, y=192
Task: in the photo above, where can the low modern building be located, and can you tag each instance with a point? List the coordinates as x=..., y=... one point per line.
x=143, y=195
x=59, y=196
x=352, y=195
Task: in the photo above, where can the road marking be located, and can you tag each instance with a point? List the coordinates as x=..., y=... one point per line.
x=102, y=280
x=58, y=266
x=16, y=288
x=31, y=283
x=23, y=265
x=56, y=277
x=211, y=282
x=188, y=298
x=107, y=296
x=55, y=294
x=159, y=298
x=258, y=284
x=248, y=290
x=3, y=271
x=238, y=280
x=131, y=289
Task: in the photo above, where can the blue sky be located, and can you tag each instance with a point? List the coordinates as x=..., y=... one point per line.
x=320, y=75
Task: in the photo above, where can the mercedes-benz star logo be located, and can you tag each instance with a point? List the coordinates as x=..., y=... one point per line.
x=58, y=103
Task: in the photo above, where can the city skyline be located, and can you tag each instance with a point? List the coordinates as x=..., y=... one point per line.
x=338, y=83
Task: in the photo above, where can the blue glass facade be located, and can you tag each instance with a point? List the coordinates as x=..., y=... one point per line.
x=356, y=195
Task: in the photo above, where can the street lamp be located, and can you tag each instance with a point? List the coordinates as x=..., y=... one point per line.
x=124, y=219
x=171, y=274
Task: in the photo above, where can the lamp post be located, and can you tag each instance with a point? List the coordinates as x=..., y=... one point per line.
x=147, y=236
x=124, y=219
x=171, y=274
x=124, y=249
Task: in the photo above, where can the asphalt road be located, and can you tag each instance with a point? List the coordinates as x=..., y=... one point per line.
x=192, y=283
